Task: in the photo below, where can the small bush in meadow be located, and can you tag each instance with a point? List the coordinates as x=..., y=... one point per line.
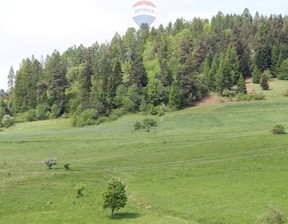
x=145, y=124
x=30, y=115
x=278, y=129
x=50, y=162
x=227, y=93
x=275, y=216
x=67, y=166
x=161, y=113
x=137, y=125
x=80, y=188
x=7, y=121
x=148, y=123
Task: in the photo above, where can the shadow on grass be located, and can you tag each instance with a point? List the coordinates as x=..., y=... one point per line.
x=125, y=215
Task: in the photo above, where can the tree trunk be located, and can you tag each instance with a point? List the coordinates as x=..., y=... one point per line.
x=112, y=213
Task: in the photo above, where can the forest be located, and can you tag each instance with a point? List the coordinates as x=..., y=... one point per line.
x=149, y=70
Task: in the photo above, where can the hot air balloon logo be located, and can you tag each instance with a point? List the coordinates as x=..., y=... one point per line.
x=144, y=13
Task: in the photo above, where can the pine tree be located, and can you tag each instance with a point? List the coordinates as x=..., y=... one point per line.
x=137, y=73
x=58, y=82
x=234, y=64
x=283, y=71
x=85, y=84
x=166, y=75
x=264, y=82
x=241, y=86
x=25, y=93
x=223, y=76
x=115, y=79
x=211, y=80
x=11, y=79
x=175, y=98
x=274, y=61
x=256, y=75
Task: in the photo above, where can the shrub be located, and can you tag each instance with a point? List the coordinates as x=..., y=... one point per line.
x=50, y=162
x=89, y=114
x=41, y=112
x=154, y=110
x=118, y=112
x=275, y=216
x=66, y=166
x=55, y=111
x=258, y=96
x=145, y=124
x=87, y=117
x=137, y=125
x=80, y=188
x=227, y=93
x=161, y=113
x=278, y=129
x=7, y=121
x=249, y=97
x=148, y=123
x=30, y=115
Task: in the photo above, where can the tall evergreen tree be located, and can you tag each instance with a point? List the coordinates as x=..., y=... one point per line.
x=115, y=79
x=85, y=84
x=25, y=94
x=175, y=96
x=234, y=64
x=11, y=79
x=137, y=73
x=58, y=82
x=223, y=76
x=211, y=80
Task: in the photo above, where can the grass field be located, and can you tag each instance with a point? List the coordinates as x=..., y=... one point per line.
x=211, y=164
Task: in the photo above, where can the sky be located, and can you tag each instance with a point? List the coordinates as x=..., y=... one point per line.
x=37, y=27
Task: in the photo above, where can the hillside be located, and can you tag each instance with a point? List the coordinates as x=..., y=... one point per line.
x=216, y=163
x=175, y=66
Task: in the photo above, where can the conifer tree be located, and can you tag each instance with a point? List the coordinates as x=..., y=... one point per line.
x=137, y=73
x=264, y=82
x=274, y=61
x=241, y=86
x=115, y=79
x=175, y=96
x=58, y=82
x=85, y=84
x=256, y=75
x=223, y=76
x=212, y=74
x=11, y=79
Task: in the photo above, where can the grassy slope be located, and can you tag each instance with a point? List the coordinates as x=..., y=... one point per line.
x=213, y=164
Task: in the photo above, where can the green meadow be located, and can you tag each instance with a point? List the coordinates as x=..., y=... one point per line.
x=211, y=164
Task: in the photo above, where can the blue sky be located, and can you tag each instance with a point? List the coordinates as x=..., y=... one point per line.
x=37, y=27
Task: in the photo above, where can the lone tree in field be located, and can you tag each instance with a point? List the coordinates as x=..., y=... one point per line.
x=115, y=196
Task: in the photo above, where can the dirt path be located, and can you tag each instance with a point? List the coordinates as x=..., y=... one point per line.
x=209, y=100
x=212, y=99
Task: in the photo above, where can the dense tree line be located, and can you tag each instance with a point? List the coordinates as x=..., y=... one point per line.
x=174, y=66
